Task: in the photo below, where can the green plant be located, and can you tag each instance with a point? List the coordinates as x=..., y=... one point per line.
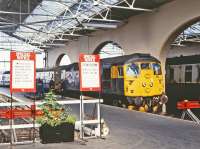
x=54, y=114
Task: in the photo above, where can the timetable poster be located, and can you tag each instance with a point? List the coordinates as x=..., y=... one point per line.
x=22, y=68
x=89, y=72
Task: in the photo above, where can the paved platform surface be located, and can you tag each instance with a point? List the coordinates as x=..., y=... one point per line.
x=135, y=130
x=19, y=96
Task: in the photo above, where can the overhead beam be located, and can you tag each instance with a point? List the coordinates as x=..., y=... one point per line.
x=61, y=39
x=128, y=8
x=178, y=45
x=191, y=41
x=101, y=25
x=25, y=13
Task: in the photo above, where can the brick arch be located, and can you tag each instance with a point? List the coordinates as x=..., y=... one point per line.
x=101, y=45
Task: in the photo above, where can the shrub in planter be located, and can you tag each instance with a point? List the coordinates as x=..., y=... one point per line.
x=57, y=123
x=49, y=134
x=68, y=132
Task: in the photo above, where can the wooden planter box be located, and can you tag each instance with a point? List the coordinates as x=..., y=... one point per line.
x=60, y=133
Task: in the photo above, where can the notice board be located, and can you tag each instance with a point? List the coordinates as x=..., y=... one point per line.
x=89, y=69
x=22, y=72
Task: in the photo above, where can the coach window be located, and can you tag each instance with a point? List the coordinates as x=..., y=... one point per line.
x=120, y=71
x=188, y=73
x=106, y=74
x=198, y=69
x=171, y=74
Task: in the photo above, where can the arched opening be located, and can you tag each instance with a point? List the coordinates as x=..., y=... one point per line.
x=109, y=49
x=175, y=37
x=63, y=59
x=181, y=56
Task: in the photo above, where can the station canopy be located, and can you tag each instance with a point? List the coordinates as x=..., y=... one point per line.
x=45, y=24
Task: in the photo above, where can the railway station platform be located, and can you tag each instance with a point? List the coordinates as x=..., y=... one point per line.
x=16, y=96
x=133, y=130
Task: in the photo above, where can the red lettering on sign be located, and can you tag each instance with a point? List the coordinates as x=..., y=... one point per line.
x=89, y=58
x=23, y=56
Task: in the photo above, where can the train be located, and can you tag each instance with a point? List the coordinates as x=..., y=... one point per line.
x=134, y=80
x=182, y=80
x=5, y=80
x=45, y=75
x=183, y=69
x=43, y=79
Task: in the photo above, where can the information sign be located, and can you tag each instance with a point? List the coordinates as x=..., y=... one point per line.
x=89, y=72
x=22, y=72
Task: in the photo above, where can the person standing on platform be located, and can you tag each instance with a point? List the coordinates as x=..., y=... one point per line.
x=51, y=84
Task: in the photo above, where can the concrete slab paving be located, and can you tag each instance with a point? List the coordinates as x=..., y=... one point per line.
x=135, y=130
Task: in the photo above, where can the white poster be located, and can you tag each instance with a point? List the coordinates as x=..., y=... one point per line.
x=90, y=74
x=23, y=74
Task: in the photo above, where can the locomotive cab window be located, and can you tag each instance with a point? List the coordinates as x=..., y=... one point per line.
x=188, y=73
x=132, y=70
x=145, y=66
x=157, y=69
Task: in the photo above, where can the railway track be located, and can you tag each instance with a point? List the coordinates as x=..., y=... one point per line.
x=19, y=135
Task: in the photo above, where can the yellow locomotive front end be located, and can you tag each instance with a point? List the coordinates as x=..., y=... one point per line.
x=144, y=85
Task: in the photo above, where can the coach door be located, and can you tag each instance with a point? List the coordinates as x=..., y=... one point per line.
x=106, y=79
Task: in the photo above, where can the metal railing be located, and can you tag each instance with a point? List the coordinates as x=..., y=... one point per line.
x=94, y=119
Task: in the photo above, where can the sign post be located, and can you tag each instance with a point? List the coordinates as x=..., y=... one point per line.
x=22, y=77
x=90, y=81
